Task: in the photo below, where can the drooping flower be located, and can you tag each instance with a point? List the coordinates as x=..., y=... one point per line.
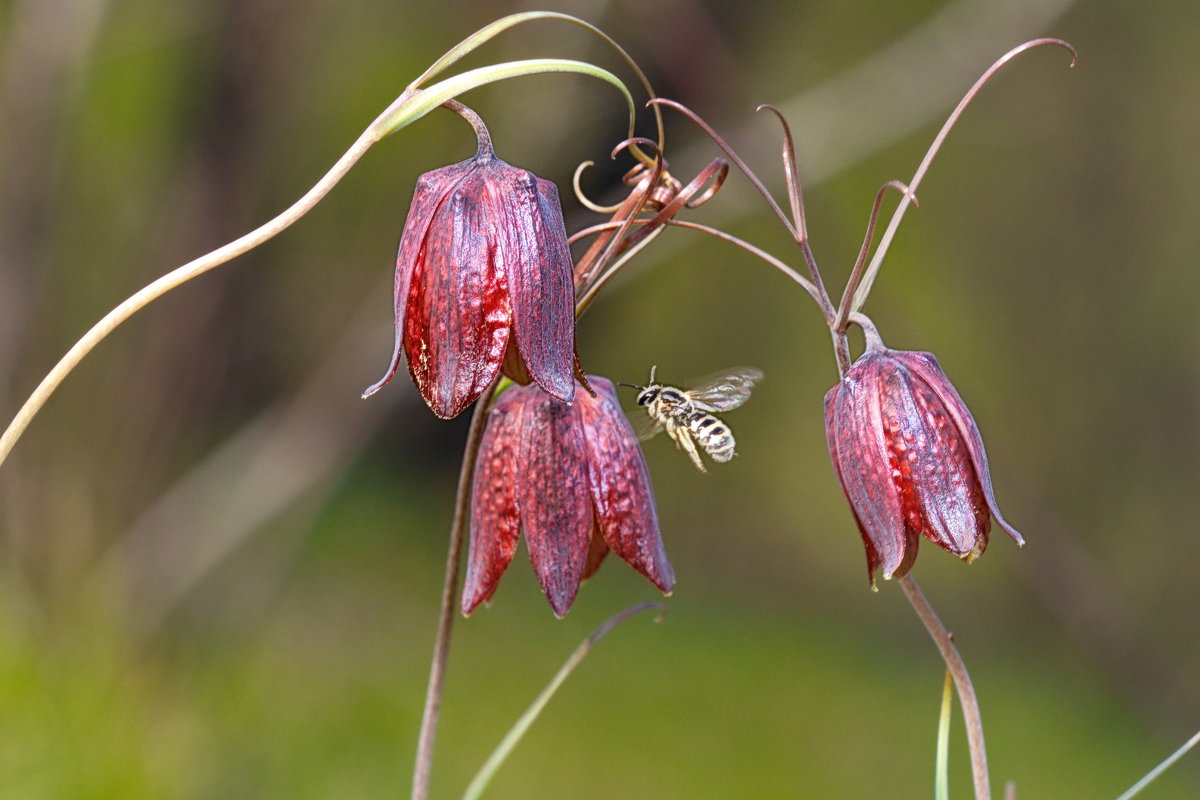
x=483, y=279
x=573, y=477
x=910, y=459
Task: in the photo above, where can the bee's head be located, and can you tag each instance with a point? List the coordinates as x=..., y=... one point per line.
x=648, y=395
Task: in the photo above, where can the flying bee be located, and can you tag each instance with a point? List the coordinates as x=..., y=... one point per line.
x=687, y=414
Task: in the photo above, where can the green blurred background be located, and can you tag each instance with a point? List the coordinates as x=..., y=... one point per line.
x=219, y=568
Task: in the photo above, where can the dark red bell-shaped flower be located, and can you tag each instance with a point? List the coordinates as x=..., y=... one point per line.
x=910, y=459
x=574, y=478
x=483, y=278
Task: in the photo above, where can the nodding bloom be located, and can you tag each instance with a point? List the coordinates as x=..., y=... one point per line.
x=573, y=477
x=910, y=459
x=483, y=279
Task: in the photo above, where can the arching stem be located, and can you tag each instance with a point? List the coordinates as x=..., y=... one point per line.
x=962, y=682
x=177, y=277
x=870, y=332
x=482, y=134
x=864, y=289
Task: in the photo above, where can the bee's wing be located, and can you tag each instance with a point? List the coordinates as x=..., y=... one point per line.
x=724, y=390
x=644, y=425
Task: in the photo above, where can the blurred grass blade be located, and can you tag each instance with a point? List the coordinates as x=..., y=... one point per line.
x=478, y=39
x=941, y=784
x=1161, y=768
x=413, y=106
x=502, y=751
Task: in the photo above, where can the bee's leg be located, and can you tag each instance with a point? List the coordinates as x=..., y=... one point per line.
x=683, y=439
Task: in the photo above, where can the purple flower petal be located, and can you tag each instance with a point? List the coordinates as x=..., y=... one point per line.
x=859, y=446
x=495, y=518
x=539, y=268
x=941, y=496
x=620, y=485
x=597, y=550
x=458, y=316
x=926, y=366
x=432, y=188
x=873, y=557
x=552, y=494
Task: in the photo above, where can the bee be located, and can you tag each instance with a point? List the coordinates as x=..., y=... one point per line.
x=687, y=414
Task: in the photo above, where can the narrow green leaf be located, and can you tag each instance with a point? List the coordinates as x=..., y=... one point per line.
x=411, y=106
x=941, y=785
x=476, y=40
x=491, y=30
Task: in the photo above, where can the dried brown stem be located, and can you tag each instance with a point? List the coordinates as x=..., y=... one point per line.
x=798, y=230
x=711, y=133
x=791, y=174
x=843, y=314
x=605, y=249
x=864, y=289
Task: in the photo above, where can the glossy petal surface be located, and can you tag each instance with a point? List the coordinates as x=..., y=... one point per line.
x=910, y=459
x=574, y=479
x=941, y=495
x=926, y=366
x=483, y=280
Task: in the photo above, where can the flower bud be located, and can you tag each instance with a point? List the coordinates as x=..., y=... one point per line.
x=910, y=459
x=483, y=272
x=574, y=478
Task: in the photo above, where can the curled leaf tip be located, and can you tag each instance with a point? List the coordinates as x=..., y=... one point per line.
x=636, y=140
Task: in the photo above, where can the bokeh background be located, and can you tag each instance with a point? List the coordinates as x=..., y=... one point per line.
x=219, y=569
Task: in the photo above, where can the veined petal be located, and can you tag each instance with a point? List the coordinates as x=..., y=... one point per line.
x=620, y=485
x=533, y=247
x=432, y=188
x=458, y=315
x=940, y=494
x=867, y=467
x=930, y=372
x=552, y=494
x=495, y=517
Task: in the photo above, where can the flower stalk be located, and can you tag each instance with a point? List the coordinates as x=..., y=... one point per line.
x=441, y=645
x=962, y=682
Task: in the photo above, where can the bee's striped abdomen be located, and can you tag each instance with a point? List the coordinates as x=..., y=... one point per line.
x=712, y=435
